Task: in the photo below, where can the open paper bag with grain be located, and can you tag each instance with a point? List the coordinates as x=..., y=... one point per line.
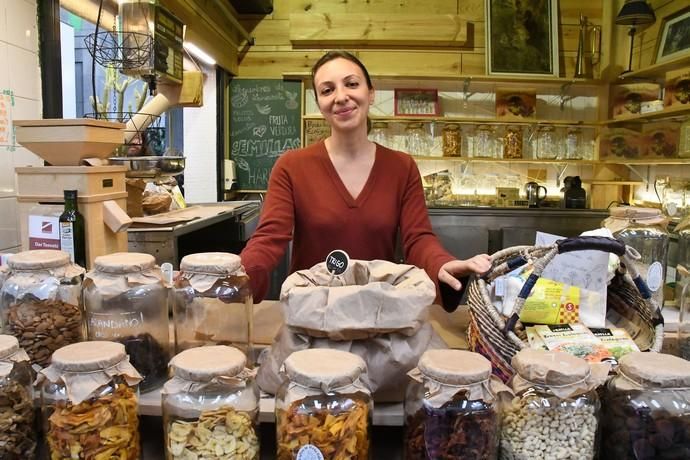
x=376, y=309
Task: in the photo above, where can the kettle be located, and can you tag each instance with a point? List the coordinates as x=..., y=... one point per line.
x=532, y=191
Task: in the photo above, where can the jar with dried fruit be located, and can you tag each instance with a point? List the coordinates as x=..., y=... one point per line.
x=555, y=413
x=41, y=302
x=18, y=436
x=89, y=402
x=645, y=408
x=450, y=407
x=126, y=301
x=212, y=302
x=323, y=410
x=211, y=406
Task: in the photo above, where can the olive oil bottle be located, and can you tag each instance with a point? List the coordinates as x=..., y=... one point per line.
x=72, y=236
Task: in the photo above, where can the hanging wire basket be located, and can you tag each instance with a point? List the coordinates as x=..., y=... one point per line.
x=122, y=50
x=144, y=131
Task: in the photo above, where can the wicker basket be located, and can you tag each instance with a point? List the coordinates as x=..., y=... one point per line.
x=493, y=335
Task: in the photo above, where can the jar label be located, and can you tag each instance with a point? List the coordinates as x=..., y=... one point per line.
x=309, y=452
x=114, y=325
x=337, y=262
x=655, y=276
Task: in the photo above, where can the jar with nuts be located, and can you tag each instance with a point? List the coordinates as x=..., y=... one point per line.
x=211, y=406
x=41, y=302
x=323, y=410
x=450, y=408
x=18, y=436
x=555, y=413
x=212, y=302
x=89, y=402
x=126, y=300
x=645, y=411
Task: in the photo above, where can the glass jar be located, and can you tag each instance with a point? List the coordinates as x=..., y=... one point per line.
x=211, y=406
x=573, y=144
x=212, y=302
x=556, y=409
x=682, y=231
x=644, y=229
x=512, y=143
x=126, y=301
x=323, y=409
x=379, y=134
x=684, y=141
x=417, y=141
x=18, y=434
x=484, y=142
x=41, y=302
x=450, y=411
x=645, y=408
x=89, y=402
x=452, y=141
x=547, y=145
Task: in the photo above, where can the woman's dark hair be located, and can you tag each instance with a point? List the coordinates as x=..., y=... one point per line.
x=338, y=54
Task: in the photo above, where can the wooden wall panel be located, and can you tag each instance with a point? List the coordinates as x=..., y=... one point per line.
x=283, y=8
x=417, y=63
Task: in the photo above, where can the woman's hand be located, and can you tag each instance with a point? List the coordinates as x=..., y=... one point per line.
x=451, y=271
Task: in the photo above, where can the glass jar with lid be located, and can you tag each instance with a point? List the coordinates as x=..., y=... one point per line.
x=18, y=434
x=417, y=141
x=452, y=140
x=89, y=402
x=42, y=302
x=573, y=144
x=212, y=302
x=323, y=409
x=211, y=405
x=512, y=142
x=644, y=229
x=126, y=301
x=682, y=232
x=556, y=408
x=484, y=142
x=380, y=134
x=451, y=410
x=547, y=144
x=645, y=408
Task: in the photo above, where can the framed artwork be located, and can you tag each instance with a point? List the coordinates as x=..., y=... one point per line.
x=417, y=102
x=516, y=104
x=674, y=39
x=522, y=37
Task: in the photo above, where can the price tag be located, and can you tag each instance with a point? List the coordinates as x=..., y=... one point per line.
x=337, y=262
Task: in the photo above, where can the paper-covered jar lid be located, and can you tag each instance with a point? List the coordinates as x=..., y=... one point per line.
x=454, y=367
x=88, y=356
x=216, y=263
x=124, y=262
x=322, y=368
x=640, y=370
x=10, y=353
x=38, y=259
x=206, y=363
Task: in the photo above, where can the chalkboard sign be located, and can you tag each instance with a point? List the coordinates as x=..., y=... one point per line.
x=315, y=130
x=264, y=122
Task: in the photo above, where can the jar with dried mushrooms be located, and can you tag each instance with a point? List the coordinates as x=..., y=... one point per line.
x=212, y=302
x=41, y=302
x=211, y=406
x=126, y=301
x=323, y=410
x=89, y=403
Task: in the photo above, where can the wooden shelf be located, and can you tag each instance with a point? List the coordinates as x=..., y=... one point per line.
x=669, y=112
x=613, y=182
x=650, y=161
x=468, y=120
x=501, y=160
x=657, y=70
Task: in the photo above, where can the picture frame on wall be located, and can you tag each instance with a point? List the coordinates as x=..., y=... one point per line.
x=416, y=102
x=522, y=37
x=674, y=36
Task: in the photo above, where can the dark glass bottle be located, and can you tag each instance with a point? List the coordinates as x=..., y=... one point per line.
x=72, y=236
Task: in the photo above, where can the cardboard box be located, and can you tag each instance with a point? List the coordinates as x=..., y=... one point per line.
x=677, y=89
x=616, y=143
x=660, y=140
x=628, y=98
x=516, y=104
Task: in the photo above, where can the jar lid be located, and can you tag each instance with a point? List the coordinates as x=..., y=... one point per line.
x=205, y=363
x=451, y=126
x=124, y=262
x=379, y=124
x=413, y=126
x=9, y=345
x=634, y=212
x=549, y=368
x=322, y=367
x=220, y=263
x=88, y=356
x=655, y=370
x=38, y=259
x=455, y=367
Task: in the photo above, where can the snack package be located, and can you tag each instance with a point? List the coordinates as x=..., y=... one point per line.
x=575, y=339
x=534, y=339
x=616, y=340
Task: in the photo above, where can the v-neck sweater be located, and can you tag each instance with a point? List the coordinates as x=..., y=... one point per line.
x=308, y=203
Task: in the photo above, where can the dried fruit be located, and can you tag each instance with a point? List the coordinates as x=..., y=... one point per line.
x=17, y=434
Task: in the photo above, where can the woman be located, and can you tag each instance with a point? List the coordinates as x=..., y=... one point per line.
x=348, y=193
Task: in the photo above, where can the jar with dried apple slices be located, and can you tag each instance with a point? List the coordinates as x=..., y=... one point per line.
x=17, y=431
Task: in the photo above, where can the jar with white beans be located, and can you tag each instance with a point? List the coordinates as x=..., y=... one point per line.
x=555, y=413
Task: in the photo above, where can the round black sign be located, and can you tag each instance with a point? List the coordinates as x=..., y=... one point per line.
x=337, y=262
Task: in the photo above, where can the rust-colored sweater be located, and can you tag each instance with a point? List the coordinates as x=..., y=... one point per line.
x=308, y=203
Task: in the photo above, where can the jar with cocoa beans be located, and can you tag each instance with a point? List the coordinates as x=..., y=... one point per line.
x=89, y=402
x=18, y=434
x=323, y=409
x=645, y=411
x=555, y=413
x=212, y=302
x=126, y=301
x=41, y=302
x=211, y=406
x=451, y=409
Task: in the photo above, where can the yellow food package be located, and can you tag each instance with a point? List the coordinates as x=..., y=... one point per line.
x=552, y=302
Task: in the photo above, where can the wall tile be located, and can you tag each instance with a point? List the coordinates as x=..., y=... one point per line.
x=7, y=184
x=25, y=81
x=9, y=228
x=22, y=30
x=4, y=69
x=3, y=20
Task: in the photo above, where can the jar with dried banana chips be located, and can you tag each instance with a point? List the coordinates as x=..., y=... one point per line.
x=126, y=301
x=17, y=433
x=212, y=302
x=89, y=403
x=211, y=406
x=323, y=409
x=41, y=302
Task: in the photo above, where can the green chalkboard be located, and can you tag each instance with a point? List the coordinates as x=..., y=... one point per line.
x=264, y=122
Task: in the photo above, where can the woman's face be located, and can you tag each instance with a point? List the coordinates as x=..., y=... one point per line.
x=342, y=94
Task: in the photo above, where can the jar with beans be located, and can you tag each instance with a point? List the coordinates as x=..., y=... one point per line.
x=41, y=302
x=18, y=434
x=645, y=411
x=211, y=406
x=450, y=408
x=555, y=413
x=323, y=410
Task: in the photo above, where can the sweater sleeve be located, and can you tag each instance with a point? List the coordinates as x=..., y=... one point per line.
x=271, y=237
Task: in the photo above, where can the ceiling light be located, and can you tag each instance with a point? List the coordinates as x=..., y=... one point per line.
x=198, y=53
